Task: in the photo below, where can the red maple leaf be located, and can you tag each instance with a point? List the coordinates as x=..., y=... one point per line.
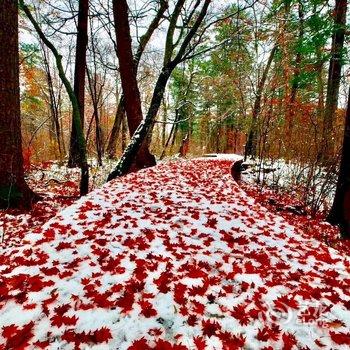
x=163, y=282
x=268, y=333
x=200, y=343
x=198, y=307
x=282, y=303
x=240, y=314
x=212, y=223
x=20, y=339
x=62, y=309
x=192, y=320
x=194, y=271
x=231, y=341
x=9, y=331
x=98, y=336
x=147, y=309
x=42, y=344
x=210, y=328
x=59, y=320
x=140, y=344
x=50, y=271
x=340, y=338
x=102, y=335
x=126, y=301
x=179, y=293
x=165, y=345
x=199, y=290
x=64, y=245
x=289, y=341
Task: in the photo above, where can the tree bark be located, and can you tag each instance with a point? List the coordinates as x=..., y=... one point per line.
x=119, y=116
x=334, y=76
x=14, y=192
x=95, y=94
x=340, y=212
x=128, y=75
x=291, y=108
x=79, y=80
x=124, y=134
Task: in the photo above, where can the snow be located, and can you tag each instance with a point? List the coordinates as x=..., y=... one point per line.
x=315, y=184
x=222, y=156
x=173, y=257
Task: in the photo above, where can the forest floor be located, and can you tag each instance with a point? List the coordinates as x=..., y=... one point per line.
x=178, y=256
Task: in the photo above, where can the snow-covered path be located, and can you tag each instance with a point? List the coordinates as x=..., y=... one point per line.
x=173, y=257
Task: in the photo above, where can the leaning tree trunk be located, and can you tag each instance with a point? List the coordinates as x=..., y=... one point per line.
x=340, y=212
x=14, y=191
x=79, y=80
x=124, y=134
x=334, y=76
x=128, y=72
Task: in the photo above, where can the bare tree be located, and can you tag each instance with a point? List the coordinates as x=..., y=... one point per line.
x=251, y=146
x=84, y=181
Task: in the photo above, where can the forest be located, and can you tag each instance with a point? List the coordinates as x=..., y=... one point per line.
x=174, y=174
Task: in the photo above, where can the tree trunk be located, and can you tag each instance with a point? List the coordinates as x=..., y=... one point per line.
x=165, y=118
x=291, y=108
x=128, y=72
x=112, y=142
x=111, y=148
x=334, y=76
x=124, y=134
x=79, y=80
x=14, y=191
x=250, y=149
x=340, y=212
x=95, y=94
x=171, y=134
